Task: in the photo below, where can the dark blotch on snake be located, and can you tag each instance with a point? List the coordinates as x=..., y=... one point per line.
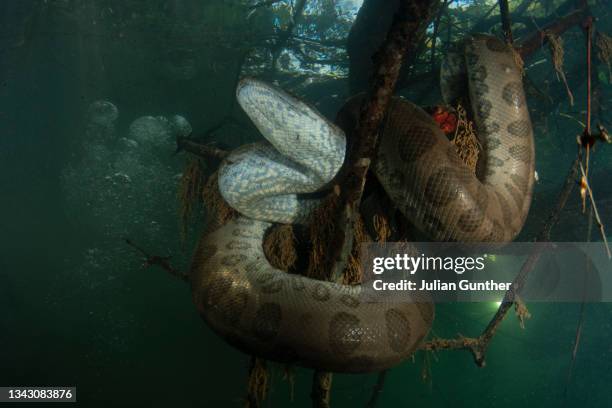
x=493, y=143
x=470, y=220
x=410, y=152
x=483, y=109
x=398, y=330
x=345, y=333
x=441, y=187
x=350, y=301
x=297, y=283
x=513, y=94
x=492, y=127
x=495, y=161
x=432, y=224
x=243, y=233
x=515, y=194
x=478, y=74
x=470, y=56
x=480, y=89
x=256, y=266
x=320, y=292
x=215, y=290
x=426, y=312
x=238, y=245
x=273, y=287
x=232, y=307
x=520, y=182
x=233, y=260
x=264, y=277
x=519, y=128
x=267, y=321
x=243, y=221
x=520, y=153
x=505, y=208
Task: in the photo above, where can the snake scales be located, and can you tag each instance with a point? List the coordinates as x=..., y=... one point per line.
x=328, y=326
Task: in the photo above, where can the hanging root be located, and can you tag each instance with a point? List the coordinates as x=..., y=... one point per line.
x=321, y=389
x=557, y=53
x=465, y=140
x=321, y=232
x=603, y=43
x=257, y=384
x=219, y=211
x=354, y=271
x=521, y=311
x=189, y=190
x=279, y=247
x=289, y=376
x=382, y=228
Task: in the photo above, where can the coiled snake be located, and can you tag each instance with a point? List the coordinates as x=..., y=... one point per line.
x=327, y=326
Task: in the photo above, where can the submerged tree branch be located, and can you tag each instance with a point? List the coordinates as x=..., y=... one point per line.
x=555, y=28
x=206, y=151
x=408, y=20
x=161, y=261
x=504, y=11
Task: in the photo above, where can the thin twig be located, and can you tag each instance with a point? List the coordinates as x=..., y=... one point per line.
x=161, y=261
x=377, y=389
x=595, y=212
x=578, y=334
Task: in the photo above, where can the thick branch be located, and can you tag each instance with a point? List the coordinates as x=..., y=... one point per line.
x=556, y=28
x=434, y=35
x=408, y=20
x=532, y=44
x=205, y=151
x=504, y=11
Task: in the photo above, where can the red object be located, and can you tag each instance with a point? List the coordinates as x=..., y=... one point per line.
x=445, y=119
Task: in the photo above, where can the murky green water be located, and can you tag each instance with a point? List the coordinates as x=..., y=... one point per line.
x=77, y=308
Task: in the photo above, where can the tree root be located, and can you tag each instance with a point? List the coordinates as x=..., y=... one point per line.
x=321, y=389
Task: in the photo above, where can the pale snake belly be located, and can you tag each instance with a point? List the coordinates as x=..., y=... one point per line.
x=290, y=318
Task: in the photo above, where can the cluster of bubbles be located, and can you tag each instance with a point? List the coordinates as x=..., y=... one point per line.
x=123, y=184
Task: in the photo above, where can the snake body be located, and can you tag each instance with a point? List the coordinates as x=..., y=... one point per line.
x=332, y=327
